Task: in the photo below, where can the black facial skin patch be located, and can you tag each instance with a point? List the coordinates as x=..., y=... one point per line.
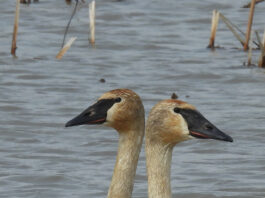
x=95, y=114
x=200, y=127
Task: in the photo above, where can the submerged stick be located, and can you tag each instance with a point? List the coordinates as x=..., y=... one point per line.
x=14, y=40
x=230, y=25
x=250, y=50
x=258, y=38
x=250, y=20
x=262, y=56
x=215, y=19
x=249, y=4
x=239, y=30
x=65, y=48
x=92, y=22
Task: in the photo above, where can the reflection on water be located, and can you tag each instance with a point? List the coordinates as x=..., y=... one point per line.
x=153, y=47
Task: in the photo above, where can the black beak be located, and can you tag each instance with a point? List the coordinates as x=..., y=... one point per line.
x=95, y=114
x=210, y=132
x=200, y=127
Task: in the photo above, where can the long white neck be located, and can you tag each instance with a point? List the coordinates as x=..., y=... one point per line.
x=130, y=143
x=158, y=164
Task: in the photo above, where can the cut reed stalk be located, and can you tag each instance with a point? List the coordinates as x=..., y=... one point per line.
x=215, y=20
x=250, y=20
x=14, y=40
x=65, y=48
x=230, y=25
x=262, y=56
x=92, y=6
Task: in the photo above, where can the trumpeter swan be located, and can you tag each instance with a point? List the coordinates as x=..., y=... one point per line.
x=121, y=109
x=171, y=122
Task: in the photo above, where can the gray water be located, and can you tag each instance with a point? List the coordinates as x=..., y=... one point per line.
x=153, y=47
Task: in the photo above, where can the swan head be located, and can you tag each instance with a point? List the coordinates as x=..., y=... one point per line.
x=173, y=121
x=121, y=109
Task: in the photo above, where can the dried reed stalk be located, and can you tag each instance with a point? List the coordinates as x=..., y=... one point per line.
x=250, y=20
x=65, y=48
x=215, y=19
x=92, y=22
x=231, y=26
x=14, y=40
x=262, y=56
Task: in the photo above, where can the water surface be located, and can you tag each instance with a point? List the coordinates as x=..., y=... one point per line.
x=153, y=47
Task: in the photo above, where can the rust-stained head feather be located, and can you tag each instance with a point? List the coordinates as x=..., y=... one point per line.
x=124, y=115
x=166, y=126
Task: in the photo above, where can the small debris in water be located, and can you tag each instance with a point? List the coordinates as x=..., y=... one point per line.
x=28, y=1
x=102, y=80
x=174, y=96
x=187, y=96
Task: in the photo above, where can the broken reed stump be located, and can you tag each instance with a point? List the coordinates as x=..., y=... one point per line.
x=250, y=20
x=92, y=6
x=14, y=40
x=65, y=48
x=215, y=20
x=262, y=56
x=68, y=2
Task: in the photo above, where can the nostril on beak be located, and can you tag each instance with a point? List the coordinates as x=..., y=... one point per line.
x=208, y=127
x=88, y=113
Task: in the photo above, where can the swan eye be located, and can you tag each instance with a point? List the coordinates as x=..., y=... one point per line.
x=117, y=99
x=177, y=110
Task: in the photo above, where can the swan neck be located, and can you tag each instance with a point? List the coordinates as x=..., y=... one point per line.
x=129, y=148
x=158, y=164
